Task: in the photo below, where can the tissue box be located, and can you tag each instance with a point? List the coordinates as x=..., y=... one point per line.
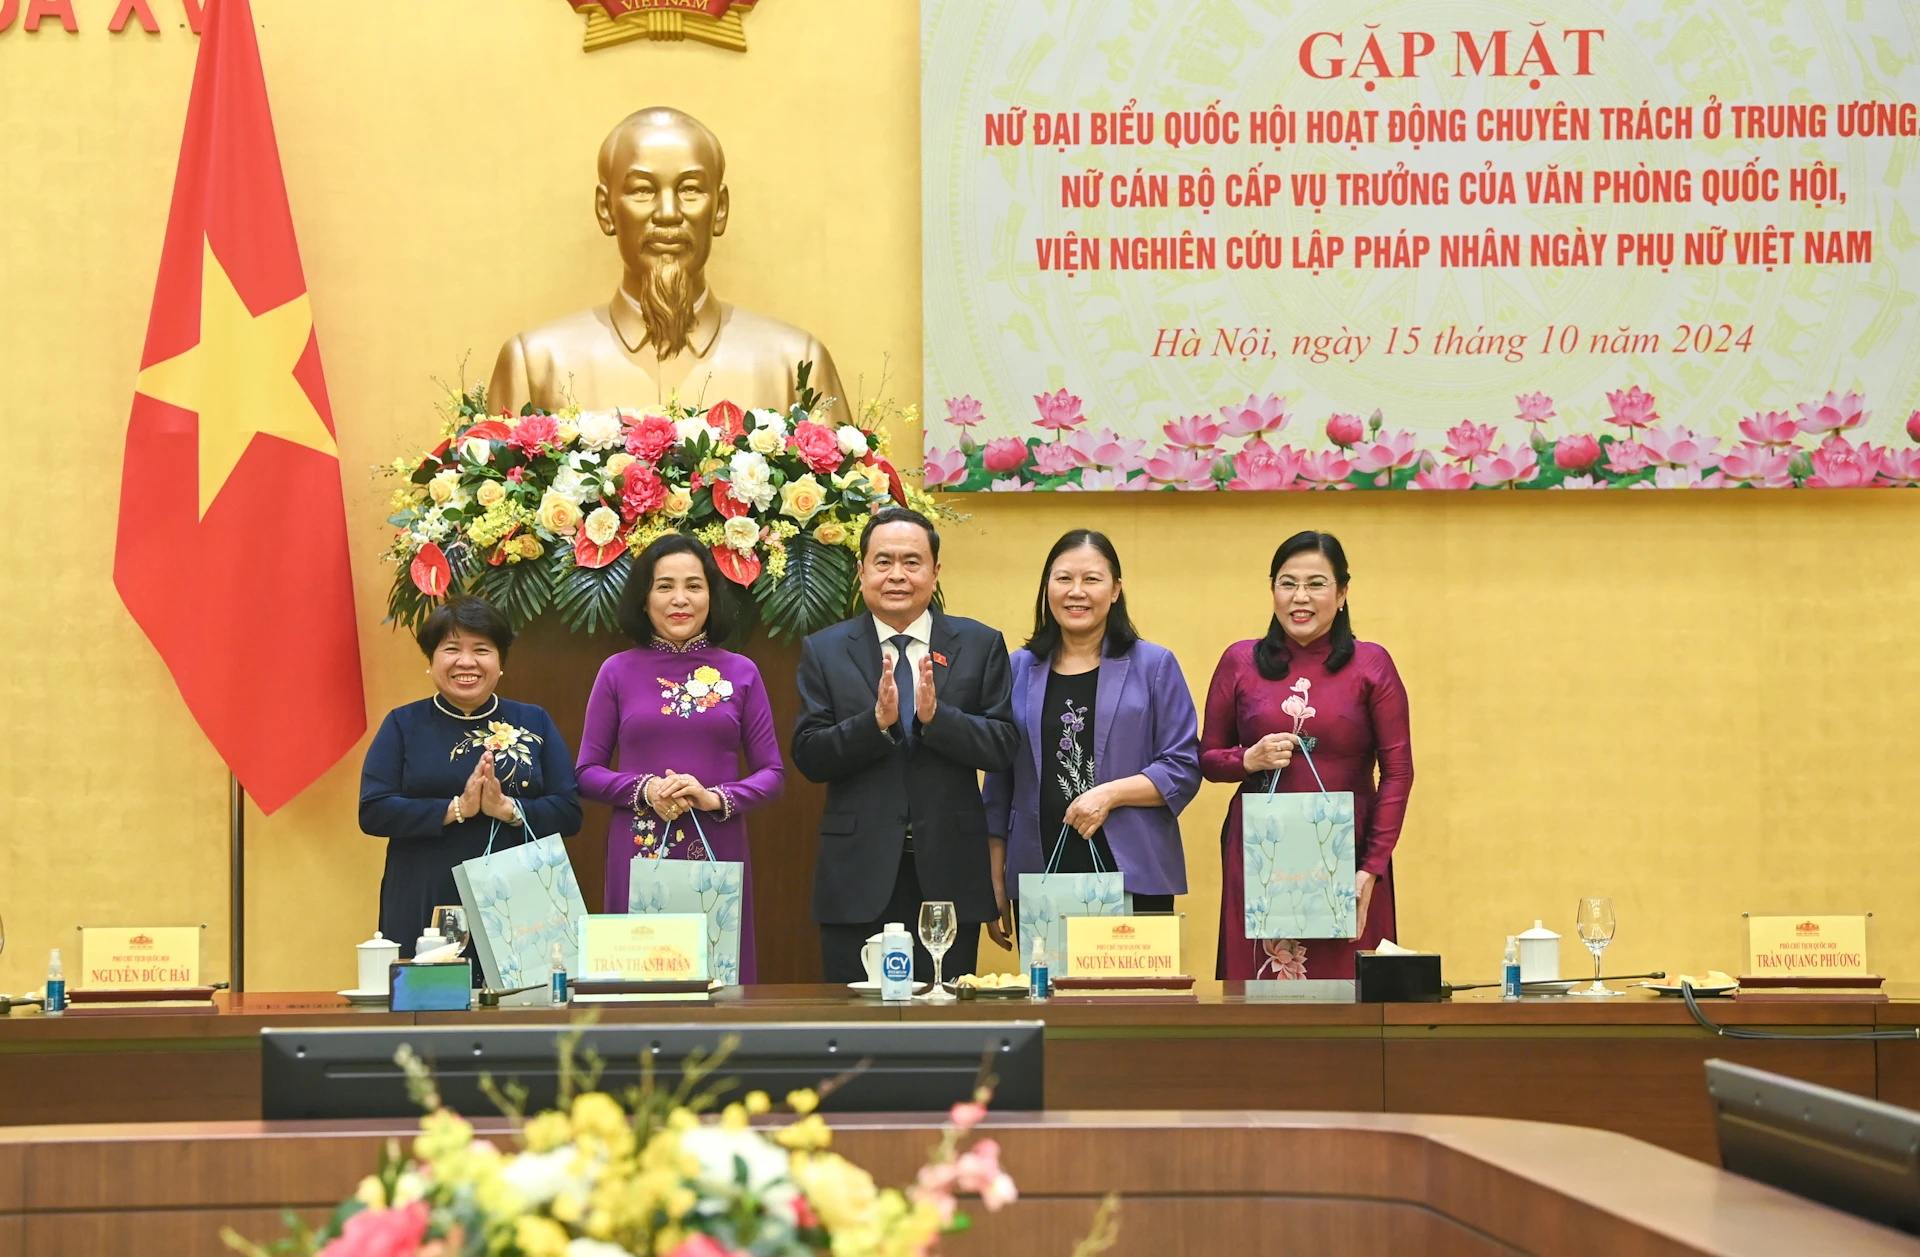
x=1398, y=978
x=437, y=988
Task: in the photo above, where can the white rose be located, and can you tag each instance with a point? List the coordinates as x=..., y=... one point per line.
x=723, y=688
x=697, y=688
x=689, y=430
x=599, y=429
x=477, y=449
x=602, y=526
x=769, y=419
x=569, y=484
x=742, y=533
x=766, y=440
x=852, y=440
x=752, y=480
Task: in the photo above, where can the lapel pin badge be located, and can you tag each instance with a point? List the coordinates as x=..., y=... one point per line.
x=939, y=658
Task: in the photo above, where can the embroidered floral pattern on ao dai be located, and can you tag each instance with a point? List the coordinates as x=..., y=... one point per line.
x=703, y=690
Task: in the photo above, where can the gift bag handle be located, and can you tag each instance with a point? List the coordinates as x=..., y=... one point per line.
x=493, y=830
x=1058, y=847
x=1273, y=782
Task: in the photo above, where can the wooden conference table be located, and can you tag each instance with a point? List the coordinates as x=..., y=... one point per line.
x=1630, y=1064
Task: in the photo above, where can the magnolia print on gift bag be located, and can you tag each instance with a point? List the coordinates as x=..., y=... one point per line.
x=709, y=886
x=520, y=902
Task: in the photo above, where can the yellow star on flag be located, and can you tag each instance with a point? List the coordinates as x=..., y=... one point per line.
x=239, y=379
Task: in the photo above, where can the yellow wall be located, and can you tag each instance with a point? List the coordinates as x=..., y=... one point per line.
x=1695, y=703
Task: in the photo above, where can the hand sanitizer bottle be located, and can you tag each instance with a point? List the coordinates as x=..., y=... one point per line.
x=56, y=997
x=1039, y=984
x=1510, y=971
x=558, y=964
x=896, y=962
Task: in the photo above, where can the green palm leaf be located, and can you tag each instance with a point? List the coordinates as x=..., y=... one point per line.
x=521, y=590
x=816, y=590
x=588, y=598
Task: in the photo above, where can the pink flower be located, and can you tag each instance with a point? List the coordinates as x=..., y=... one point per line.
x=1534, y=407
x=1770, y=427
x=1580, y=482
x=1009, y=453
x=817, y=445
x=1099, y=480
x=1286, y=959
x=1682, y=478
x=642, y=491
x=1106, y=448
x=1679, y=447
x=1576, y=453
x=1838, y=465
x=977, y=1166
x=1632, y=409
x=1260, y=466
x=1197, y=432
x=1757, y=464
x=1345, y=431
x=1626, y=457
x=1010, y=486
x=944, y=467
x=1913, y=426
x=649, y=439
x=1900, y=467
x=1056, y=459
x=700, y=1244
x=1255, y=416
x=967, y=1114
x=963, y=412
x=999, y=1193
x=1387, y=451
x=1058, y=411
x=1181, y=468
x=1468, y=440
x=1326, y=470
x=381, y=1233
x=1511, y=465
x=1444, y=476
x=534, y=434
x=1833, y=413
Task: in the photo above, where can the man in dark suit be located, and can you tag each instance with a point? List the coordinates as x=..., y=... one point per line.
x=900, y=710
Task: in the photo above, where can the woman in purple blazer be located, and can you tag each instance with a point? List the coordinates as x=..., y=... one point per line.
x=1109, y=742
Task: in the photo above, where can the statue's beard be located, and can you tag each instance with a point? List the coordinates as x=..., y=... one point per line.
x=666, y=299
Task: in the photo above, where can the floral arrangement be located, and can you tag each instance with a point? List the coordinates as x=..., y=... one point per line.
x=543, y=511
x=652, y=1178
x=1805, y=448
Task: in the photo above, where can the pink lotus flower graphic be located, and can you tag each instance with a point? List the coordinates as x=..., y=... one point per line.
x=1054, y=460
x=1626, y=457
x=1833, y=413
x=963, y=412
x=1679, y=447
x=1682, y=478
x=1182, y=469
x=1009, y=453
x=1105, y=448
x=1838, y=465
x=1444, y=476
x=1757, y=464
x=1467, y=441
x=1010, y=486
x=1534, y=407
x=1509, y=466
x=1058, y=411
x=1326, y=470
x=1386, y=452
x=1255, y=416
x=1345, y=430
x=1632, y=408
x=1913, y=426
x=1576, y=453
x=1096, y=479
x=943, y=467
x=1770, y=427
x=1580, y=482
x=1195, y=432
x=1260, y=466
x=1900, y=467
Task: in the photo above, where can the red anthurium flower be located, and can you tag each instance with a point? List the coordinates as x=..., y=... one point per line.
x=487, y=430
x=727, y=417
x=728, y=505
x=588, y=555
x=431, y=572
x=741, y=569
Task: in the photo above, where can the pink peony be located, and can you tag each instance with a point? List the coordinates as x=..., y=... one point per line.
x=817, y=446
x=1468, y=440
x=1534, y=407
x=534, y=435
x=944, y=467
x=1326, y=470
x=1576, y=453
x=1009, y=453
x=1345, y=431
x=1181, y=468
x=1581, y=482
x=1058, y=411
x=1838, y=465
x=1833, y=413
x=1626, y=457
x=1510, y=465
x=1010, y=486
x=1632, y=409
x=1679, y=447
x=1056, y=459
x=1900, y=467
x=963, y=412
x=649, y=439
x=1105, y=448
x=1197, y=432
x=1770, y=427
x=1255, y=416
x=1913, y=426
x=382, y=1233
x=1260, y=466
x=1757, y=464
x=1445, y=476
x=642, y=492
x=1387, y=451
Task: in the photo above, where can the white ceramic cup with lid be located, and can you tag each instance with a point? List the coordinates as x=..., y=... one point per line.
x=1539, y=954
x=375, y=955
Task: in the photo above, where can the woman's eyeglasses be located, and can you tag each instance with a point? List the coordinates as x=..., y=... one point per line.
x=1313, y=585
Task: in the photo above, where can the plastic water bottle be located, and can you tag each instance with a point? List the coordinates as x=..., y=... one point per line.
x=56, y=996
x=429, y=940
x=896, y=962
x=557, y=963
x=1510, y=971
x=1039, y=984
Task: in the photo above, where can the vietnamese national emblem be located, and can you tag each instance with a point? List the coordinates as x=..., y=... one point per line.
x=715, y=22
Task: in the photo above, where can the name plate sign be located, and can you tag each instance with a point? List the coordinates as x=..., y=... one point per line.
x=655, y=947
x=1123, y=947
x=125, y=958
x=1802, y=947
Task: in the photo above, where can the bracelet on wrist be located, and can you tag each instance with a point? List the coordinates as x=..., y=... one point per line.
x=458, y=817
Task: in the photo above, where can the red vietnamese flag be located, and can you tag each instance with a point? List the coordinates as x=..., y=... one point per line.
x=232, y=549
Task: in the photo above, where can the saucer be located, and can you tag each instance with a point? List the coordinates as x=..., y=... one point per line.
x=864, y=987
x=366, y=997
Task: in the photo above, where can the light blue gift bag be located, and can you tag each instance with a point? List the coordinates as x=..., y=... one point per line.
x=710, y=886
x=520, y=902
x=1298, y=862
x=1048, y=899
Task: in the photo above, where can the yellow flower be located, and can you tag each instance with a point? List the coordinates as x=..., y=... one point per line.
x=767, y=440
x=490, y=494
x=741, y=532
x=557, y=515
x=666, y=1239
x=682, y=1120
x=568, y=431
x=547, y=1132
x=707, y=673
x=841, y=1192
x=617, y=464
x=680, y=1202
x=831, y=532
x=443, y=486
x=734, y=1117
x=809, y=1134
x=540, y=1237
x=599, y=1114
x=524, y=546
x=370, y=1193
x=678, y=503
x=758, y=1103
x=802, y=498
x=603, y=525
x=710, y=465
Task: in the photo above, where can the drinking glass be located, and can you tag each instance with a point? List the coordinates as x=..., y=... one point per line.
x=1594, y=920
x=938, y=926
x=451, y=920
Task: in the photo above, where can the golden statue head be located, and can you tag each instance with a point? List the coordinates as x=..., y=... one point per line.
x=663, y=197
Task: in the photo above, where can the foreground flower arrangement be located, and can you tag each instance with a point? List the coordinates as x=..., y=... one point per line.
x=594, y=1178
x=543, y=511
x=1804, y=448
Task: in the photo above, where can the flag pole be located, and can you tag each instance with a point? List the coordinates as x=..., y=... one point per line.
x=236, y=885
